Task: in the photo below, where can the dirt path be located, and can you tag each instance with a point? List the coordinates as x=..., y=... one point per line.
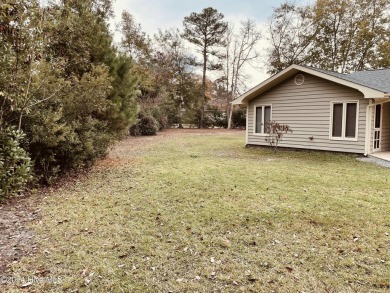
x=16, y=214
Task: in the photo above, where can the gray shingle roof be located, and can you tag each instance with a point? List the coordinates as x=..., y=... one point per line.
x=376, y=79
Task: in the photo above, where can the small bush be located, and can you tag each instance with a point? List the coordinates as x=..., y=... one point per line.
x=239, y=118
x=161, y=116
x=146, y=125
x=213, y=117
x=15, y=164
x=218, y=118
x=275, y=132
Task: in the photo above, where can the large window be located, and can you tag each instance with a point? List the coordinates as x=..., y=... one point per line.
x=344, y=120
x=262, y=118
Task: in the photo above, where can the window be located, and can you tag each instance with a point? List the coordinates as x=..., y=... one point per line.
x=378, y=110
x=262, y=118
x=344, y=120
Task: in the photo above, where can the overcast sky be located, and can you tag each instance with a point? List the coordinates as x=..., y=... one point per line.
x=165, y=14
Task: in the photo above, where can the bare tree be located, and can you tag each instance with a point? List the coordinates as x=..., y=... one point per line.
x=241, y=51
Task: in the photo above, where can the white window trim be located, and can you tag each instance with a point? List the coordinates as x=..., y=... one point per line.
x=262, y=122
x=343, y=121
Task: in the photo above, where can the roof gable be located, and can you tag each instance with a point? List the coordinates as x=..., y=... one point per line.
x=368, y=83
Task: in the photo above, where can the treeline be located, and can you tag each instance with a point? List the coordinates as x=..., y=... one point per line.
x=174, y=70
x=337, y=35
x=66, y=92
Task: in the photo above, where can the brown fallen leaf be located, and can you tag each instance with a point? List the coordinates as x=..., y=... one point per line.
x=41, y=271
x=25, y=285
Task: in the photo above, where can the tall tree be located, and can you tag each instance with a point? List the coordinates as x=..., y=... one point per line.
x=152, y=68
x=338, y=35
x=292, y=33
x=383, y=59
x=350, y=32
x=206, y=31
x=170, y=44
x=24, y=70
x=123, y=109
x=134, y=42
x=241, y=50
x=91, y=45
x=62, y=81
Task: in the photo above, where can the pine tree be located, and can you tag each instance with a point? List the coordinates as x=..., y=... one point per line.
x=206, y=31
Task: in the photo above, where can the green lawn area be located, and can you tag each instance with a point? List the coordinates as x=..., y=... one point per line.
x=199, y=212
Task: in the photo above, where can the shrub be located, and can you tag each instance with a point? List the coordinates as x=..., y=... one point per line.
x=217, y=118
x=161, y=116
x=213, y=117
x=275, y=132
x=239, y=118
x=15, y=164
x=190, y=117
x=58, y=146
x=146, y=125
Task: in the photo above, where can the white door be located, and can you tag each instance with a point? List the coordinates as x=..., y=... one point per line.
x=377, y=128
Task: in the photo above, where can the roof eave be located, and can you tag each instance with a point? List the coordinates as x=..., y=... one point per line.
x=290, y=71
x=265, y=85
x=374, y=94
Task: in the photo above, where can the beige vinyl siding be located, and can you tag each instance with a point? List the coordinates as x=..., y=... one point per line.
x=385, y=145
x=306, y=109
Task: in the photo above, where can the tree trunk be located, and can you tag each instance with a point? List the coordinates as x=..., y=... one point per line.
x=230, y=114
x=20, y=121
x=202, y=102
x=180, y=114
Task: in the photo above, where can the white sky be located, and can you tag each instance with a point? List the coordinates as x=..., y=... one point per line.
x=166, y=14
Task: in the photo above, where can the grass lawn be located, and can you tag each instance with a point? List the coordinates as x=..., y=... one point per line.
x=199, y=212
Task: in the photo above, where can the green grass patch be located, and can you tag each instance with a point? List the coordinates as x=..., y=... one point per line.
x=202, y=213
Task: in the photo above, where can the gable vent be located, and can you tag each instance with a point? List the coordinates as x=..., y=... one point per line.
x=299, y=79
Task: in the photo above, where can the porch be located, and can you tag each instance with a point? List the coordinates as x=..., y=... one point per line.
x=379, y=129
x=382, y=155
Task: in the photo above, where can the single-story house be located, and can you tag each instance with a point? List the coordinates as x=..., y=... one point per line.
x=326, y=110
